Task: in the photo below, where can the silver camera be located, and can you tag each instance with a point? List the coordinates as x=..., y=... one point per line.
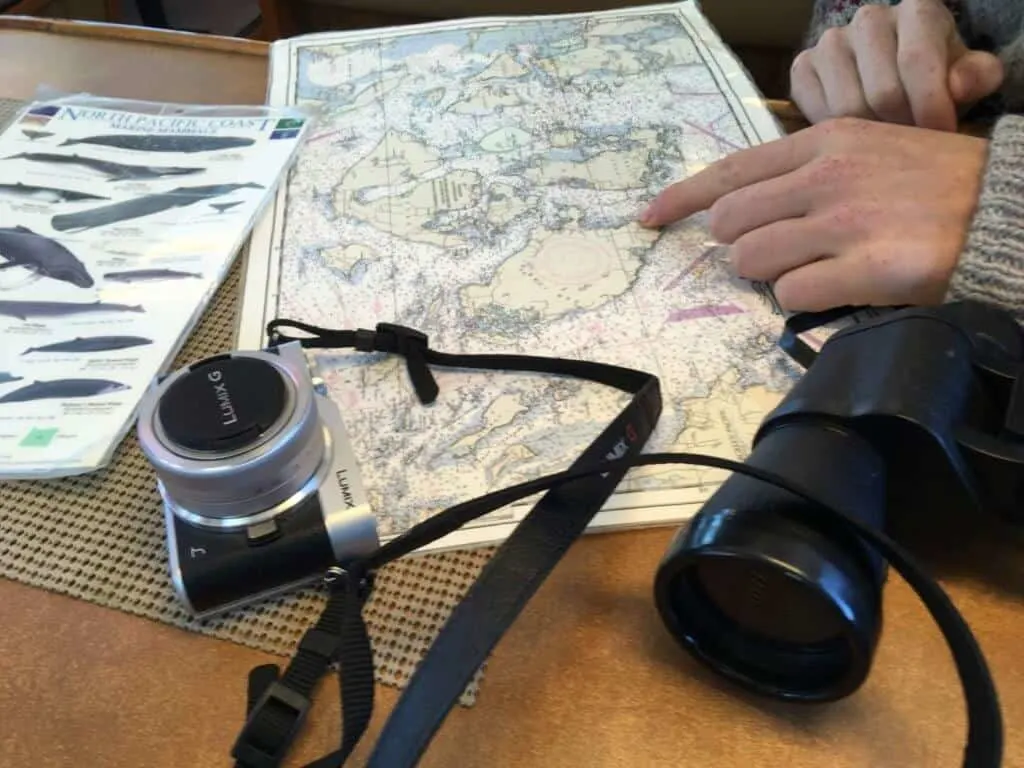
x=260, y=488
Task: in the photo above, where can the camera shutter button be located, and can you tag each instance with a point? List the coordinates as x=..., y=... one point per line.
x=223, y=404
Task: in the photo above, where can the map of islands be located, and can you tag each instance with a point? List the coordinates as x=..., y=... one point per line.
x=480, y=181
x=562, y=272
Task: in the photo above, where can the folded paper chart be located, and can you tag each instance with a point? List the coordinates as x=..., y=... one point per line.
x=480, y=180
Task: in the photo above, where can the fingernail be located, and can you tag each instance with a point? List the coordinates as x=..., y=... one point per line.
x=647, y=215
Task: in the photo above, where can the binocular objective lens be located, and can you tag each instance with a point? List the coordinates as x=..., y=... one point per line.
x=764, y=601
x=784, y=607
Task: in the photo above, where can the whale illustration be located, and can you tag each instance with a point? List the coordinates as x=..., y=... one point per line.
x=164, y=143
x=63, y=389
x=23, y=310
x=21, y=247
x=92, y=344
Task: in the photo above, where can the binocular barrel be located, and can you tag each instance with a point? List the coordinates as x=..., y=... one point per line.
x=916, y=413
x=782, y=606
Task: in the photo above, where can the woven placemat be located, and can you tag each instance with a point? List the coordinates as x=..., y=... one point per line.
x=100, y=537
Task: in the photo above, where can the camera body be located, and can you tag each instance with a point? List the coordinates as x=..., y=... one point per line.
x=917, y=416
x=261, y=491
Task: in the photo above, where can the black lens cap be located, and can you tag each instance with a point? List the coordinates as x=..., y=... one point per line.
x=222, y=404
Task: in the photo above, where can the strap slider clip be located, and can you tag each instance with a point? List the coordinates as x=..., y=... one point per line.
x=414, y=347
x=405, y=338
x=252, y=749
x=366, y=341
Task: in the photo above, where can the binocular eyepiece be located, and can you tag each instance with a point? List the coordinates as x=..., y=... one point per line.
x=919, y=412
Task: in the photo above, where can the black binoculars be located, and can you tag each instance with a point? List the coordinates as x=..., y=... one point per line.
x=917, y=412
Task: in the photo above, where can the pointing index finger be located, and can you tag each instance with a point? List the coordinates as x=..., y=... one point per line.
x=738, y=170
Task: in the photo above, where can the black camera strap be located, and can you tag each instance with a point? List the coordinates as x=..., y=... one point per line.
x=792, y=341
x=503, y=588
x=277, y=707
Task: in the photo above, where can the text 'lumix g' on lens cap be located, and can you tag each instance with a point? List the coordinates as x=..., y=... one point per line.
x=222, y=404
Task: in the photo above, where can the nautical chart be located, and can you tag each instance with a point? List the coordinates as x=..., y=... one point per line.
x=480, y=181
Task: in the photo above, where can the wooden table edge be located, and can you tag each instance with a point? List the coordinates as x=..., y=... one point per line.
x=127, y=33
x=784, y=110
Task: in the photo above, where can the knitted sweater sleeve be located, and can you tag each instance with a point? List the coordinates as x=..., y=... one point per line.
x=1011, y=94
x=838, y=13
x=834, y=13
x=991, y=267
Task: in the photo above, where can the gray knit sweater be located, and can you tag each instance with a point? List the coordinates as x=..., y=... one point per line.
x=992, y=264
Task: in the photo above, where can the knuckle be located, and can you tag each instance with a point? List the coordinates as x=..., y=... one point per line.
x=925, y=9
x=915, y=278
x=719, y=216
x=748, y=258
x=838, y=131
x=909, y=55
x=788, y=294
x=802, y=63
x=931, y=274
x=916, y=6
x=904, y=275
x=740, y=257
x=853, y=106
x=730, y=169
x=917, y=58
x=851, y=127
x=878, y=263
x=832, y=39
x=870, y=15
x=830, y=169
x=846, y=217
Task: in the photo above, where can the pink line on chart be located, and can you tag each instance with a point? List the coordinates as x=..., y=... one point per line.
x=714, y=123
x=710, y=133
x=689, y=268
x=322, y=136
x=700, y=313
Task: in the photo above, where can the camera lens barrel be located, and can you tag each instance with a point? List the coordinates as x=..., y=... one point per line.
x=232, y=434
x=780, y=604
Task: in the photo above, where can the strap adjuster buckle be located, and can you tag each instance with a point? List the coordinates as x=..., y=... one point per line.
x=337, y=579
x=251, y=749
x=320, y=643
x=405, y=338
x=413, y=345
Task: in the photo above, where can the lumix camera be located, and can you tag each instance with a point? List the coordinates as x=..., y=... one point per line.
x=260, y=488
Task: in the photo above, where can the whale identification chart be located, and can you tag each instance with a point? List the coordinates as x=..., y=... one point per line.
x=118, y=221
x=480, y=180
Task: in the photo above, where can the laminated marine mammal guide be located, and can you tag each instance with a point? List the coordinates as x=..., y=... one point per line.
x=480, y=180
x=118, y=221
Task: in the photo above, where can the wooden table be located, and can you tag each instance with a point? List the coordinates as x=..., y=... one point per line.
x=587, y=677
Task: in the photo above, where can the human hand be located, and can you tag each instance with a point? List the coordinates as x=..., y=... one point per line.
x=846, y=212
x=903, y=64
